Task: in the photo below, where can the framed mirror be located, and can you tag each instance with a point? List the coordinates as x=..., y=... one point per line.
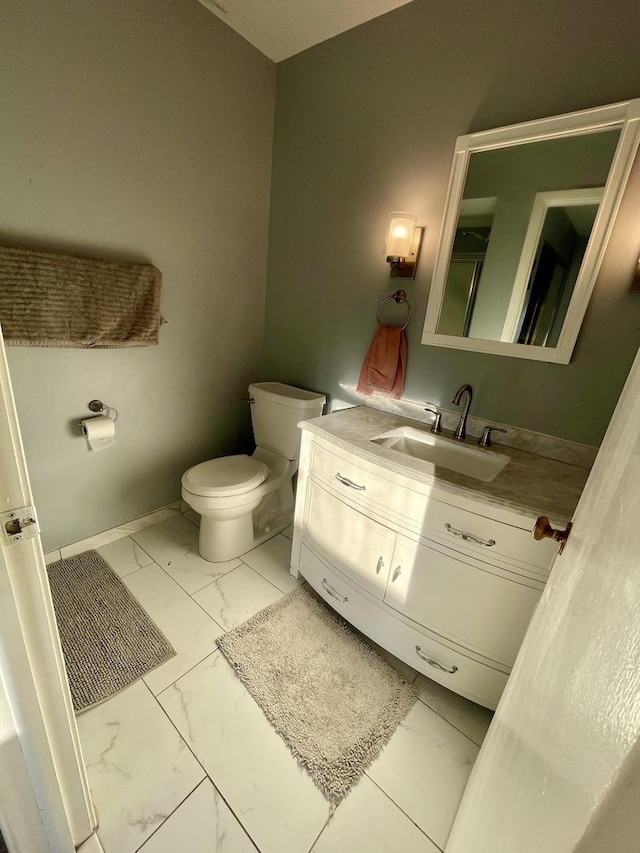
x=529, y=211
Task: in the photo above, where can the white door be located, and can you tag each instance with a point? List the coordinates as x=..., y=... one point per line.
x=47, y=806
x=567, y=728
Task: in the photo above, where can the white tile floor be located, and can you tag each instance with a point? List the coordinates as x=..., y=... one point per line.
x=185, y=760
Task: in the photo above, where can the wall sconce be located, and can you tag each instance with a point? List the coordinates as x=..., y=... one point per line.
x=403, y=245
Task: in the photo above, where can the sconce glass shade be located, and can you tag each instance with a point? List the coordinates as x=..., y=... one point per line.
x=400, y=236
x=403, y=245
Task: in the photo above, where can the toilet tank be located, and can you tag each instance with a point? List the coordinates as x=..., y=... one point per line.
x=276, y=411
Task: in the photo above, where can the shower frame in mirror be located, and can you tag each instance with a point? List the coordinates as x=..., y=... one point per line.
x=626, y=117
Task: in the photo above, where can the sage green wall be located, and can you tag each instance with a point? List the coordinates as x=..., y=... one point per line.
x=366, y=124
x=138, y=130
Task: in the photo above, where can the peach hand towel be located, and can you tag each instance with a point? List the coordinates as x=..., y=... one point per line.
x=385, y=363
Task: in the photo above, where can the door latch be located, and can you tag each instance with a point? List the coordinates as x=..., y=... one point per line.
x=19, y=524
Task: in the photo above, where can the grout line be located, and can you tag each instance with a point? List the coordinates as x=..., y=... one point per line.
x=177, y=730
x=403, y=811
x=216, y=651
x=262, y=577
x=206, y=613
x=144, y=550
x=241, y=565
x=129, y=574
x=181, y=590
x=191, y=598
x=207, y=776
x=186, y=672
x=134, y=572
x=215, y=580
x=171, y=813
x=120, y=527
x=324, y=826
x=438, y=714
x=190, y=594
x=255, y=571
x=222, y=628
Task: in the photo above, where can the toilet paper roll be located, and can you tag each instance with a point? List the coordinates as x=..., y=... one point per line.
x=100, y=432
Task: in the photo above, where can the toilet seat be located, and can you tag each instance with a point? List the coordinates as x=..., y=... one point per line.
x=227, y=475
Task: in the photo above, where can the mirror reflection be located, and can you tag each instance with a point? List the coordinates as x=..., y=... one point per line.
x=524, y=221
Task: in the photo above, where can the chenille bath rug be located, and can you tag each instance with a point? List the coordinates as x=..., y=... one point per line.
x=108, y=640
x=333, y=700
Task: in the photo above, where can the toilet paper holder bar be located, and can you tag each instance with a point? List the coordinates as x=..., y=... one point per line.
x=99, y=407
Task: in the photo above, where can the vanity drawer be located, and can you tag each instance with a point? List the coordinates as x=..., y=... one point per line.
x=488, y=539
x=366, y=487
x=477, y=681
x=362, y=546
x=478, y=608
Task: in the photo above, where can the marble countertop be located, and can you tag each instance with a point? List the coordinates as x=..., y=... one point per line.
x=531, y=484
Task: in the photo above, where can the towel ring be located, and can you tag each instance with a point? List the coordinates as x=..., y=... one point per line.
x=399, y=296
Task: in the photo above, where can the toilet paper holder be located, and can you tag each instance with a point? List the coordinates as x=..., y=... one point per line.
x=99, y=408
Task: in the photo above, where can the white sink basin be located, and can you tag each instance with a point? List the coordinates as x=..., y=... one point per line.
x=448, y=453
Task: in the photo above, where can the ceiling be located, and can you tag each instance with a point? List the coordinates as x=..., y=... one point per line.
x=282, y=28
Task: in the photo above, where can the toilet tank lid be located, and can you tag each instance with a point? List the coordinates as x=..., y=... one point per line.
x=287, y=395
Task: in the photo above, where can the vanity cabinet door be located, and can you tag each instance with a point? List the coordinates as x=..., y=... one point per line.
x=357, y=546
x=466, y=602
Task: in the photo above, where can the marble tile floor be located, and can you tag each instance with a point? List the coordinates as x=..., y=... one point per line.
x=185, y=760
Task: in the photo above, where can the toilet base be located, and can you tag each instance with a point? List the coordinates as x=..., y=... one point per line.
x=225, y=539
x=222, y=540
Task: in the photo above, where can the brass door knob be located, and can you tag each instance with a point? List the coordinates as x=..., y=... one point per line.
x=544, y=530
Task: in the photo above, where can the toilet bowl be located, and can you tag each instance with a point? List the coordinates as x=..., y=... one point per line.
x=244, y=500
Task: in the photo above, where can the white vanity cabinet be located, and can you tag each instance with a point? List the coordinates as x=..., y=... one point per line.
x=441, y=580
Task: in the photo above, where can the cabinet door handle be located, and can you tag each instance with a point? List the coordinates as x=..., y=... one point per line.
x=396, y=574
x=347, y=482
x=434, y=663
x=341, y=598
x=379, y=565
x=469, y=537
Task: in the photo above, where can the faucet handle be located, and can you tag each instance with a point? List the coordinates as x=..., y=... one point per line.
x=485, y=441
x=436, y=426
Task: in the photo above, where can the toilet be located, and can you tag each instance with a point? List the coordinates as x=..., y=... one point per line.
x=244, y=500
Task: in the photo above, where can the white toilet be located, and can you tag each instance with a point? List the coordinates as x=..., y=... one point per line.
x=244, y=500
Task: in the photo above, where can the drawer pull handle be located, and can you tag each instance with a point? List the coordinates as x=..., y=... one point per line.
x=396, y=574
x=341, y=598
x=434, y=663
x=347, y=482
x=469, y=537
x=379, y=565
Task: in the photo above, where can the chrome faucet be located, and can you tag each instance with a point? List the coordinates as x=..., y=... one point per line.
x=461, y=429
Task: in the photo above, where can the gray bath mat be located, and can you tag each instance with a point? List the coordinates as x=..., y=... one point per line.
x=107, y=639
x=334, y=700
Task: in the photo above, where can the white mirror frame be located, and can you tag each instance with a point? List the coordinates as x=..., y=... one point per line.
x=626, y=116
